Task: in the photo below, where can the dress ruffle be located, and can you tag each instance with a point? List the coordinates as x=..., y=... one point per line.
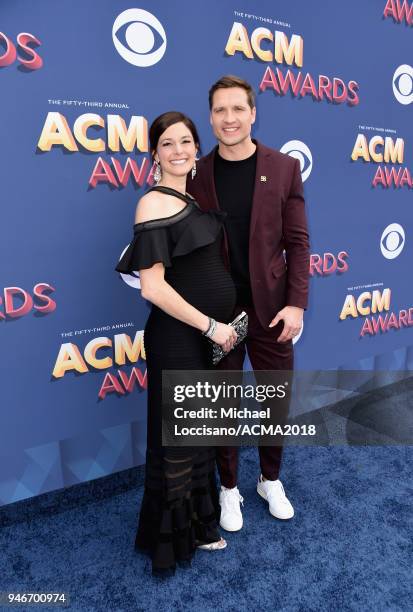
x=180, y=508
x=160, y=243
x=202, y=229
x=146, y=249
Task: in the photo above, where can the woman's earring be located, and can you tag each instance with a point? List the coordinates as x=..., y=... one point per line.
x=157, y=175
x=193, y=171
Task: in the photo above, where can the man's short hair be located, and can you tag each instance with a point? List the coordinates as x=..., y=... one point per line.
x=228, y=81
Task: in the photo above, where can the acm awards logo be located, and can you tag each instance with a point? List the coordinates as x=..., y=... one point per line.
x=102, y=353
x=140, y=39
x=368, y=304
x=383, y=150
x=371, y=304
x=119, y=137
x=25, y=42
x=265, y=45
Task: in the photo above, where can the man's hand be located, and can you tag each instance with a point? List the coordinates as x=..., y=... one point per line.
x=293, y=320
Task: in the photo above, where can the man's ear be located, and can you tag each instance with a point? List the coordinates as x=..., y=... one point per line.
x=254, y=114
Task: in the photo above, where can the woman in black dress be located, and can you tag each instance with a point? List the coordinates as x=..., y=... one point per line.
x=177, y=250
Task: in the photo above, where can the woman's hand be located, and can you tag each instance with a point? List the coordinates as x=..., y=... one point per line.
x=225, y=336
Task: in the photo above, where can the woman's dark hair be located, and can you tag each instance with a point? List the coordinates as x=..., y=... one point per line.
x=164, y=121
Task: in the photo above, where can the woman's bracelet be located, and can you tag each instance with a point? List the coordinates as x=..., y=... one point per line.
x=211, y=329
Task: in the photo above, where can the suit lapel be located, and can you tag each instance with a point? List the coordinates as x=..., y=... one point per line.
x=214, y=199
x=211, y=180
x=260, y=186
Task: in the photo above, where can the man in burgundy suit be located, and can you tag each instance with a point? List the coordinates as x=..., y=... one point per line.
x=261, y=191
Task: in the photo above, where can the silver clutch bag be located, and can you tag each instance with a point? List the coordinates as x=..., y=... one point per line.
x=240, y=324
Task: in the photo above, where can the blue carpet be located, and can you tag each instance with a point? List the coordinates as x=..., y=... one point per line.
x=349, y=547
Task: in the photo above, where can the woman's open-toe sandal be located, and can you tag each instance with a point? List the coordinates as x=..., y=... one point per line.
x=221, y=544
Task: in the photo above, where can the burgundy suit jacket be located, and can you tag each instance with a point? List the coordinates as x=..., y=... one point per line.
x=278, y=222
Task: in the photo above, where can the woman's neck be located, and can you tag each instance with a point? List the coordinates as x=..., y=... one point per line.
x=174, y=182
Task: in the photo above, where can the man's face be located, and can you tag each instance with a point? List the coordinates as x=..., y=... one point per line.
x=231, y=116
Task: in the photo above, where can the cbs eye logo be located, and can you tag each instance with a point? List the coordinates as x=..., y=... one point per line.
x=392, y=241
x=144, y=36
x=299, y=150
x=133, y=279
x=403, y=84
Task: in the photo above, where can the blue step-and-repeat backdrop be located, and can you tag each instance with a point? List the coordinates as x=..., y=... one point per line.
x=80, y=84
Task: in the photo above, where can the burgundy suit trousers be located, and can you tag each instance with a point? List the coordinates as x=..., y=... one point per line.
x=265, y=353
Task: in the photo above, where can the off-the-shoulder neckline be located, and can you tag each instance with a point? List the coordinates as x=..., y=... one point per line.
x=155, y=221
x=164, y=189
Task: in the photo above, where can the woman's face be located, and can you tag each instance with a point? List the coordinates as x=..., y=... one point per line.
x=176, y=150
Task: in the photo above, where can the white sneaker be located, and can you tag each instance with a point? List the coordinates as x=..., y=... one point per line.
x=231, y=517
x=273, y=492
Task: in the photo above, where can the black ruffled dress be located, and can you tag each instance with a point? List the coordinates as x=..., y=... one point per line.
x=180, y=503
